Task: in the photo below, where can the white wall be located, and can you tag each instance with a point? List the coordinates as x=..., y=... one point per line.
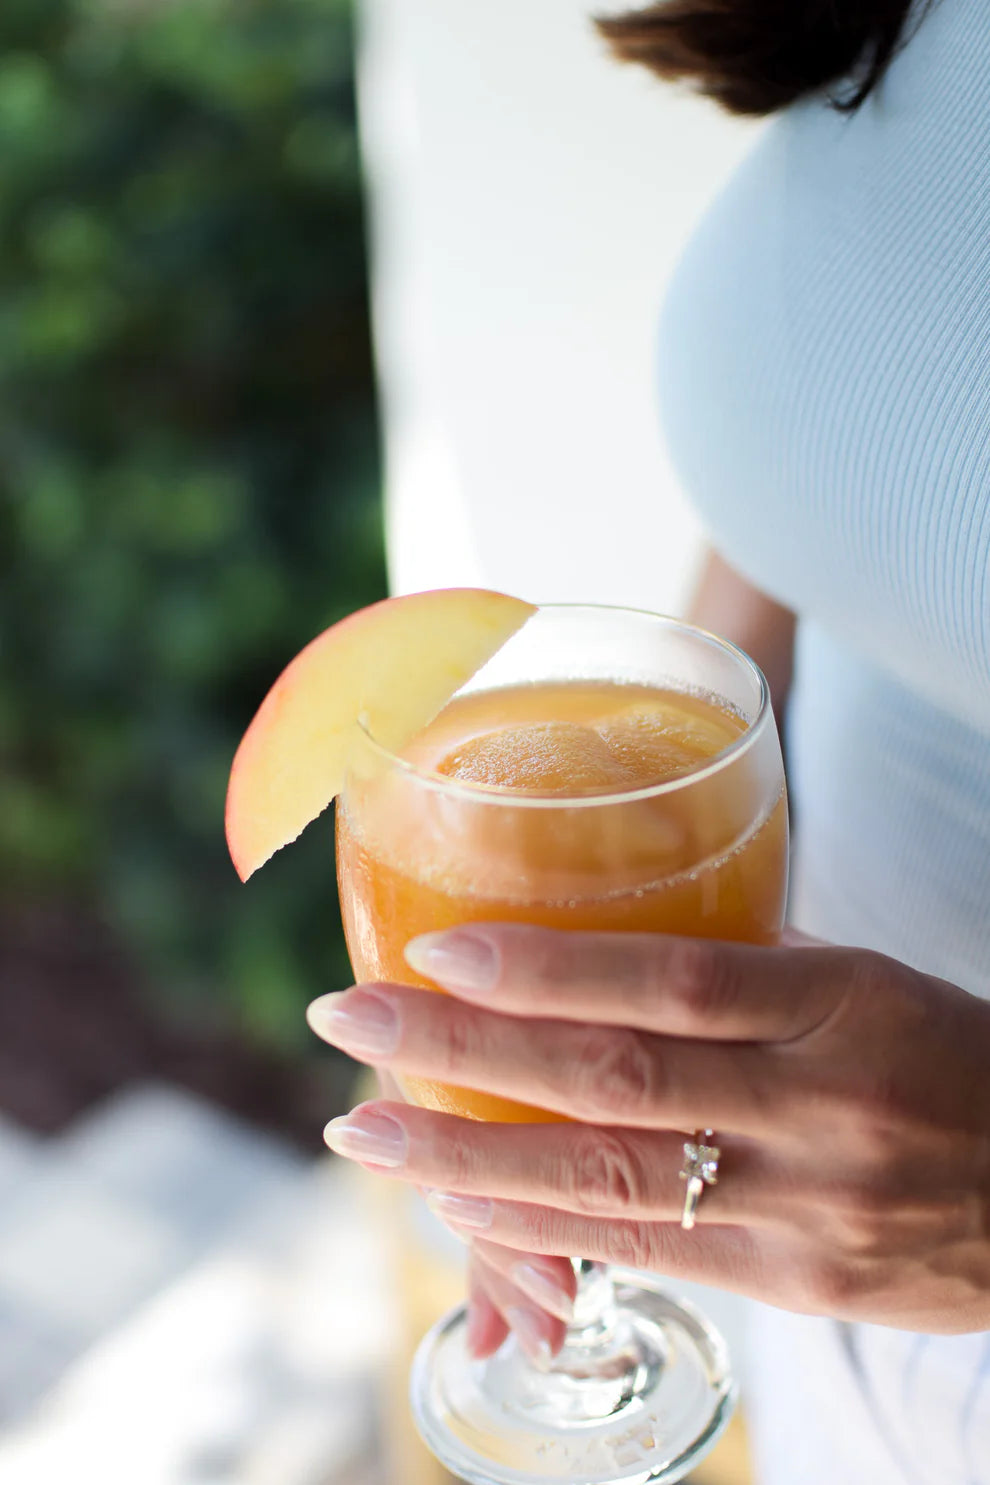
x=529, y=199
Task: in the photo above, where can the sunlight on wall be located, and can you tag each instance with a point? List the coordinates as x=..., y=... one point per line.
x=529, y=200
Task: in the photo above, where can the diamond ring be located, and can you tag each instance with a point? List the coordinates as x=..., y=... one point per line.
x=700, y=1169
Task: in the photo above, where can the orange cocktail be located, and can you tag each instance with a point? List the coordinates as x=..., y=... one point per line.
x=603, y=769
x=581, y=804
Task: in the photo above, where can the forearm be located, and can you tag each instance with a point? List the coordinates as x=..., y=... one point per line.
x=727, y=604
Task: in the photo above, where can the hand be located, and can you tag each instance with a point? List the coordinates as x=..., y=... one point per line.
x=528, y=1294
x=511, y=1291
x=849, y=1094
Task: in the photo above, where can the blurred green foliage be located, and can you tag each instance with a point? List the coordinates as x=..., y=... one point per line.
x=188, y=477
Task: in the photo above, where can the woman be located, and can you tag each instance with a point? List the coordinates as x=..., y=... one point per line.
x=825, y=379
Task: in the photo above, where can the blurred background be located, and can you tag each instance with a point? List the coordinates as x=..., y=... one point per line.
x=202, y=464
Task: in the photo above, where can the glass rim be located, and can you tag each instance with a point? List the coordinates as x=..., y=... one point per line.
x=505, y=795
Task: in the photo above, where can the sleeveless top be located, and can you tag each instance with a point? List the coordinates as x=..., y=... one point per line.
x=825, y=388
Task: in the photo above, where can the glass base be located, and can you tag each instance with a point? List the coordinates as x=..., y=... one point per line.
x=643, y=1410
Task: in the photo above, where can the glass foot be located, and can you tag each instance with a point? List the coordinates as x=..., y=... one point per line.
x=638, y=1406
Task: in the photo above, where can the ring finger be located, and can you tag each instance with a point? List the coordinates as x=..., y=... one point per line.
x=589, y=1171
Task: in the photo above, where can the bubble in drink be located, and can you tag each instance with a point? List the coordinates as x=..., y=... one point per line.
x=663, y=741
x=541, y=758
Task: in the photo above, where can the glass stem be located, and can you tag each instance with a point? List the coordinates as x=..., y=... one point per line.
x=603, y=1360
x=595, y=1316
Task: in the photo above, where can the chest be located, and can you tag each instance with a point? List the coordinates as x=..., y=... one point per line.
x=825, y=369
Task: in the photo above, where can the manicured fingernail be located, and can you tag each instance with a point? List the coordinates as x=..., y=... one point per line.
x=526, y=1328
x=464, y=1211
x=543, y=1290
x=368, y=1137
x=458, y=960
x=356, y=1021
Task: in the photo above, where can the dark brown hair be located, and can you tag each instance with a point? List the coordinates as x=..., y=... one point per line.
x=755, y=56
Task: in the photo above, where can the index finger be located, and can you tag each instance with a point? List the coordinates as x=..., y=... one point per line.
x=662, y=983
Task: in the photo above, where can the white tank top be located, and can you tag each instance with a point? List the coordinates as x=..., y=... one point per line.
x=825, y=378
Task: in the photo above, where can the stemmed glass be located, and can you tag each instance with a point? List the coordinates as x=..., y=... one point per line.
x=642, y=1388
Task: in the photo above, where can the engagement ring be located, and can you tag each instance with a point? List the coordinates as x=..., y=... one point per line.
x=700, y=1169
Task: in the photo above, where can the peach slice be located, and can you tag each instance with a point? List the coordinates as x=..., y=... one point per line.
x=392, y=666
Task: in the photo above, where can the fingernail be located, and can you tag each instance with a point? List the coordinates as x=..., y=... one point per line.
x=368, y=1137
x=464, y=1211
x=458, y=960
x=543, y=1290
x=356, y=1021
x=526, y=1328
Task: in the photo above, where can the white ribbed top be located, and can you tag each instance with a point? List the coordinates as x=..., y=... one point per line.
x=825, y=371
